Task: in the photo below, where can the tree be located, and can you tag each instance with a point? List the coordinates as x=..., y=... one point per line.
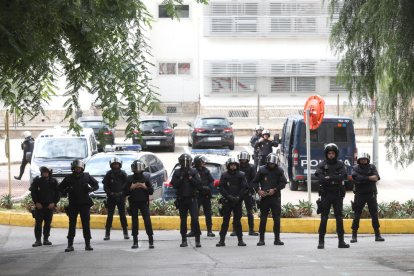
x=98, y=45
x=374, y=39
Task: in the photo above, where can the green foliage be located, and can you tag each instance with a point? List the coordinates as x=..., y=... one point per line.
x=289, y=211
x=163, y=208
x=27, y=203
x=305, y=208
x=60, y=206
x=98, y=207
x=6, y=201
x=374, y=41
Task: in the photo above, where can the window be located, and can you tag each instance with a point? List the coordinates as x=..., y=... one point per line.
x=340, y=133
x=334, y=86
x=233, y=85
x=183, y=11
x=293, y=84
x=174, y=68
x=281, y=84
x=221, y=85
x=305, y=84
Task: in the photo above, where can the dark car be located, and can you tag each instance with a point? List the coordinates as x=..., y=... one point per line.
x=155, y=132
x=105, y=135
x=216, y=165
x=211, y=131
x=98, y=165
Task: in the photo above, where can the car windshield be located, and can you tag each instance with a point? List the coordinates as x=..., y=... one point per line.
x=212, y=122
x=153, y=124
x=62, y=148
x=100, y=165
x=92, y=124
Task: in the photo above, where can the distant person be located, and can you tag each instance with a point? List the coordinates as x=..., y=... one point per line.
x=365, y=176
x=264, y=146
x=256, y=136
x=45, y=195
x=27, y=146
x=331, y=173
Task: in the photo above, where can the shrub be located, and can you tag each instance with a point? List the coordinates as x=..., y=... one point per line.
x=289, y=211
x=6, y=201
x=60, y=206
x=27, y=203
x=305, y=208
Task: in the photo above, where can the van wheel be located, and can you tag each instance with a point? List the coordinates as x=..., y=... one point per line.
x=293, y=185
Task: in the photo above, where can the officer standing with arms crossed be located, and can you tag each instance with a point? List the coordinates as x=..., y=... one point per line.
x=204, y=196
x=45, y=195
x=27, y=146
x=139, y=189
x=233, y=186
x=264, y=146
x=331, y=173
x=269, y=181
x=78, y=185
x=258, y=134
x=365, y=176
x=187, y=182
x=114, y=185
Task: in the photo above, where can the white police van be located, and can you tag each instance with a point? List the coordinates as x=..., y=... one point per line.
x=57, y=148
x=292, y=151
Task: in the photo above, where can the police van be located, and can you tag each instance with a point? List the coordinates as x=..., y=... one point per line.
x=57, y=148
x=292, y=150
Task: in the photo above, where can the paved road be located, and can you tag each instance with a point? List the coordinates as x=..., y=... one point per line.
x=298, y=256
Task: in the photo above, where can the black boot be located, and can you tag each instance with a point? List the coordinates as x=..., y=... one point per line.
x=135, y=242
x=241, y=242
x=184, y=242
x=252, y=233
x=209, y=232
x=18, y=177
x=197, y=241
x=70, y=246
x=126, y=236
x=378, y=237
x=88, y=246
x=261, y=240
x=341, y=242
x=354, y=238
x=107, y=234
x=278, y=242
x=221, y=243
x=190, y=234
x=233, y=234
x=46, y=241
x=321, y=243
x=151, y=242
x=37, y=243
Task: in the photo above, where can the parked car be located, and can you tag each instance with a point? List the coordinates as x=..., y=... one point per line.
x=98, y=165
x=292, y=151
x=104, y=134
x=155, y=132
x=215, y=163
x=210, y=131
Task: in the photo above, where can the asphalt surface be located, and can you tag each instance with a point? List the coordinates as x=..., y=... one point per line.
x=298, y=256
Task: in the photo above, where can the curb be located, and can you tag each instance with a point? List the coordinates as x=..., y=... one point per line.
x=288, y=225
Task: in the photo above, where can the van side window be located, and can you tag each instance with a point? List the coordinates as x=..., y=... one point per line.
x=340, y=134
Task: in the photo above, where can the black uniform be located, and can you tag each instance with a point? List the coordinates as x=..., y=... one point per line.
x=139, y=201
x=248, y=199
x=253, y=141
x=233, y=187
x=332, y=193
x=266, y=179
x=365, y=193
x=44, y=191
x=114, y=186
x=187, y=182
x=204, y=195
x=78, y=187
x=263, y=148
x=27, y=146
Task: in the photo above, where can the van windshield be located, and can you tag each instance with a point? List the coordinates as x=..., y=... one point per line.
x=62, y=148
x=328, y=132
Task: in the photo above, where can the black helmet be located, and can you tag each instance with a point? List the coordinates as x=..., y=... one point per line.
x=199, y=160
x=363, y=155
x=230, y=161
x=138, y=166
x=115, y=160
x=46, y=169
x=331, y=147
x=185, y=160
x=266, y=131
x=77, y=164
x=244, y=155
x=271, y=158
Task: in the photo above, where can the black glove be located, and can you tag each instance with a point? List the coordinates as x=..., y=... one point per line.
x=321, y=191
x=319, y=206
x=342, y=191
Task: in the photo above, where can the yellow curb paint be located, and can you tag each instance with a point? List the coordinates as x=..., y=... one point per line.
x=288, y=225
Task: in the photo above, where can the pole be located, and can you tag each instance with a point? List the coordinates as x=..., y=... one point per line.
x=308, y=157
x=258, y=109
x=7, y=149
x=375, y=116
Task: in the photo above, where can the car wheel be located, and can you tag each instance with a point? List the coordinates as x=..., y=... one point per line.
x=231, y=147
x=293, y=185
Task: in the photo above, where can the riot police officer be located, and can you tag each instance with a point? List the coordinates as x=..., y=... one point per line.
x=249, y=201
x=114, y=185
x=139, y=189
x=256, y=136
x=269, y=181
x=45, y=196
x=331, y=173
x=365, y=176
x=27, y=146
x=233, y=187
x=77, y=186
x=264, y=146
x=187, y=182
x=204, y=195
